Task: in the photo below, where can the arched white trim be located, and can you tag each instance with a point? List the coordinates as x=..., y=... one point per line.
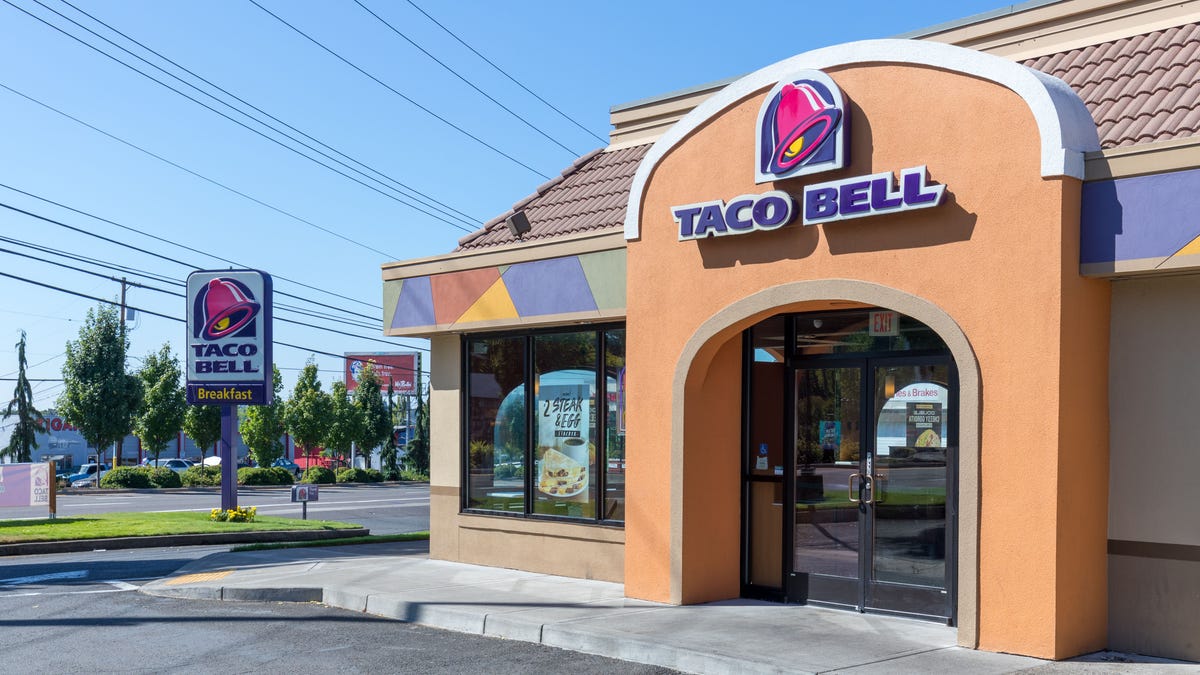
x=1064, y=123
x=772, y=300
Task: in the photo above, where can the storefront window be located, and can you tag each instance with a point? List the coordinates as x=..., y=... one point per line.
x=614, y=425
x=565, y=424
x=496, y=424
x=862, y=331
x=551, y=447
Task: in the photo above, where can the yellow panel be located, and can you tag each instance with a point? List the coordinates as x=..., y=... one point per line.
x=494, y=304
x=1192, y=248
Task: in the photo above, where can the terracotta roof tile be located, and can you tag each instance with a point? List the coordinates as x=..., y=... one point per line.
x=1139, y=89
x=589, y=195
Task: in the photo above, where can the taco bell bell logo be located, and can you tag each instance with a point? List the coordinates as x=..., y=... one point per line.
x=224, y=308
x=802, y=128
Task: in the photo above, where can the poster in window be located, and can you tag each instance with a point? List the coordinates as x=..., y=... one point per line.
x=564, y=428
x=923, y=422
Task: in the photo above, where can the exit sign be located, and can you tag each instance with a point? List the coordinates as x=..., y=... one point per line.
x=885, y=323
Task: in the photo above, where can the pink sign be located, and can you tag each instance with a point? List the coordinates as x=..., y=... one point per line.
x=25, y=485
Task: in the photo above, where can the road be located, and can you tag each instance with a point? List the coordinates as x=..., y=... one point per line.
x=383, y=508
x=80, y=612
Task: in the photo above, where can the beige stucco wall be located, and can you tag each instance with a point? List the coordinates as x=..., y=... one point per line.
x=1153, y=529
x=584, y=551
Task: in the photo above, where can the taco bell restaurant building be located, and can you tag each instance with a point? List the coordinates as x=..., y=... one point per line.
x=899, y=326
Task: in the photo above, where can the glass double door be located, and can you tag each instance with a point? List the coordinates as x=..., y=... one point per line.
x=872, y=526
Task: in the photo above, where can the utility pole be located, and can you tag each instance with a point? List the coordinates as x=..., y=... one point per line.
x=121, y=440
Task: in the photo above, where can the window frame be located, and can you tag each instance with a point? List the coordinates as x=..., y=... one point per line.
x=599, y=469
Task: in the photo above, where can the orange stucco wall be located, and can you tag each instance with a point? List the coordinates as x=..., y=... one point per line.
x=999, y=256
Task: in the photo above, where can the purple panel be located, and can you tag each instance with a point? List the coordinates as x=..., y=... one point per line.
x=551, y=286
x=414, y=307
x=1142, y=217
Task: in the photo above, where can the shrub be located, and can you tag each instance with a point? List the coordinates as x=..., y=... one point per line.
x=374, y=476
x=126, y=477
x=242, y=514
x=202, y=476
x=318, y=474
x=255, y=476
x=162, y=477
x=352, y=476
x=410, y=474
x=281, y=475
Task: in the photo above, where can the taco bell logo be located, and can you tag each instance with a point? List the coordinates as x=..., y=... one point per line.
x=229, y=337
x=224, y=308
x=802, y=128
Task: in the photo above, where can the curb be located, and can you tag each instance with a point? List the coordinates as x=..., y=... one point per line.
x=561, y=635
x=209, y=539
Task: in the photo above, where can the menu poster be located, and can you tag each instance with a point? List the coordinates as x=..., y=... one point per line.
x=923, y=424
x=564, y=426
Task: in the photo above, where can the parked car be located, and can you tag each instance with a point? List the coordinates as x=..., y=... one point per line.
x=174, y=464
x=87, y=471
x=289, y=465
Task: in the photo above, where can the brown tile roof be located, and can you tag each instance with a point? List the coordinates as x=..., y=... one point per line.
x=1140, y=89
x=589, y=195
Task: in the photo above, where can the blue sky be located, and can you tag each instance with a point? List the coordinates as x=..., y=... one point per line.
x=583, y=57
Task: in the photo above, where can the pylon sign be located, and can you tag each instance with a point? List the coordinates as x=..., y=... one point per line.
x=229, y=338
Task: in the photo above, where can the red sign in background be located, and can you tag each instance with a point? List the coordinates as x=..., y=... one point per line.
x=398, y=367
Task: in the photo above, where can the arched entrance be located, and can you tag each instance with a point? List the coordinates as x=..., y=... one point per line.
x=859, y=407
x=692, y=426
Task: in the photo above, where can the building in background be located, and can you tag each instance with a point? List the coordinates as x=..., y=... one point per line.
x=892, y=326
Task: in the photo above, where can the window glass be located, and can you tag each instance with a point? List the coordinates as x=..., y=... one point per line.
x=614, y=425
x=496, y=424
x=861, y=331
x=565, y=424
x=766, y=447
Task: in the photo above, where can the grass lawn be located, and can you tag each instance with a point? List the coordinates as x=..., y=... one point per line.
x=103, y=525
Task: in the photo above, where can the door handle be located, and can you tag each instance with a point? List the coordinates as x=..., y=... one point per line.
x=869, y=485
x=850, y=487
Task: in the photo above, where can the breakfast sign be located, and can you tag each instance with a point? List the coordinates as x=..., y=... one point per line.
x=564, y=426
x=803, y=129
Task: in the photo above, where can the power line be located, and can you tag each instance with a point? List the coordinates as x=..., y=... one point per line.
x=502, y=72
x=401, y=95
x=179, y=320
x=465, y=80
x=416, y=194
x=235, y=121
x=168, y=241
x=159, y=255
x=184, y=295
x=165, y=279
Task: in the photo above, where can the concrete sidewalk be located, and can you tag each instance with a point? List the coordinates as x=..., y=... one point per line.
x=399, y=581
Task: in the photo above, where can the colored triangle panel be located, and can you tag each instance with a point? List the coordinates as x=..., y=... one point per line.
x=414, y=307
x=554, y=286
x=455, y=292
x=494, y=304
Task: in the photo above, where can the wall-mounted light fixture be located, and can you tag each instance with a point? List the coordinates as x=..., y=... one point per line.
x=518, y=224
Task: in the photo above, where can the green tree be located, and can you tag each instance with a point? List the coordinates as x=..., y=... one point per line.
x=164, y=403
x=202, y=424
x=417, y=458
x=23, y=440
x=346, y=422
x=308, y=413
x=376, y=418
x=261, y=426
x=99, y=397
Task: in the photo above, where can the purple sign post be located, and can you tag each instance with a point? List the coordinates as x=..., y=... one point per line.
x=229, y=352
